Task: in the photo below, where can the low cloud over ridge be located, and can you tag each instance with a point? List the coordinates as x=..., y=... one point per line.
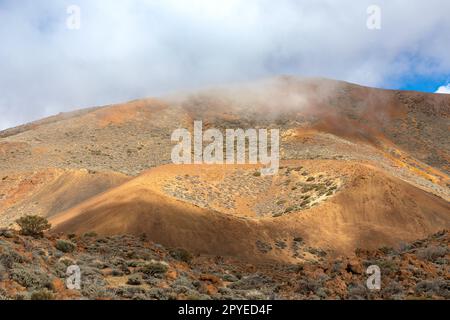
x=137, y=48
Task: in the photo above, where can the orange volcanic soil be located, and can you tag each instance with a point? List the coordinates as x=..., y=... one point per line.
x=371, y=209
x=48, y=192
x=362, y=168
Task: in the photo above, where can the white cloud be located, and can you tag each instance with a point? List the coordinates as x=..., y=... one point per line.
x=444, y=89
x=136, y=48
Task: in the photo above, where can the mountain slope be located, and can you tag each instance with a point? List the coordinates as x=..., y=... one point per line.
x=47, y=192
x=380, y=160
x=370, y=210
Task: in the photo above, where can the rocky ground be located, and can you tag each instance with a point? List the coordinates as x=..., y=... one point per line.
x=126, y=267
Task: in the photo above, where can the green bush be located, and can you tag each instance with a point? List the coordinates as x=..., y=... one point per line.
x=154, y=268
x=134, y=280
x=181, y=255
x=65, y=246
x=33, y=225
x=43, y=294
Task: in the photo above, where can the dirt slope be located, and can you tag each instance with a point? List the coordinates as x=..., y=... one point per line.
x=371, y=209
x=379, y=159
x=48, y=192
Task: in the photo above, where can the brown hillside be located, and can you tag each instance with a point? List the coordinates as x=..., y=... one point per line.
x=370, y=209
x=48, y=192
x=377, y=163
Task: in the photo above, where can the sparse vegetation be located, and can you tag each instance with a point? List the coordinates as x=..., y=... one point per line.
x=154, y=273
x=154, y=268
x=181, y=255
x=135, y=280
x=263, y=246
x=257, y=174
x=65, y=246
x=223, y=196
x=438, y=287
x=91, y=234
x=385, y=169
x=30, y=278
x=432, y=253
x=43, y=294
x=289, y=209
x=33, y=225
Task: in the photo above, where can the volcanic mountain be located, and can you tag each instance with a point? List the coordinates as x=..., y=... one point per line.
x=361, y=168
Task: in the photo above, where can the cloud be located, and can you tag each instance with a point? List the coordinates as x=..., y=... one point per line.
x=137, y=48
x=444, y=89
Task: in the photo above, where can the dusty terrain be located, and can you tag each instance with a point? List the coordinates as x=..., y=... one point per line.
x=128, y=267
x=230, y=211
x=361, y=168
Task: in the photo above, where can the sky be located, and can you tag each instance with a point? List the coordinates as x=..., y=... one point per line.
x=58, y=55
